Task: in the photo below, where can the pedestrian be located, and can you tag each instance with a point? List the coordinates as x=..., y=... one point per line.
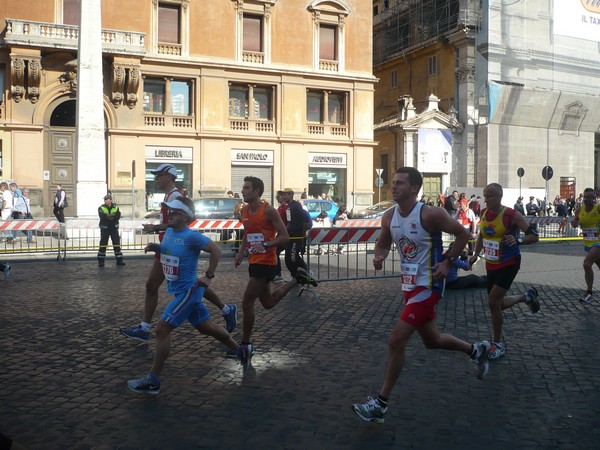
x=416, y=230
x=5, y=269
x=60, y=203
x=561, y=211
x=467, y=219
x=451, y=204
x=264, y=231
x=304, y=194
x=532, y=207
x=7, y=209
x=179, y=252
x=165, y=176
x=109, y=214
x=587, y=216
x=23, y=211
x=519, y=206
x=297, y=225
x=282, y=210
x=499, y=239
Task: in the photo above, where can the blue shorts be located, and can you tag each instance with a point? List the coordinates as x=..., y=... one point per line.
x=186, y=305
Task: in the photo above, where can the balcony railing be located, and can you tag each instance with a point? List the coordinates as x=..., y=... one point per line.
x=169, y=49
x=327, y=130
x=169, y=121
x=257, y=126
x=253, y=57
x=41, y=34
x=331, y=66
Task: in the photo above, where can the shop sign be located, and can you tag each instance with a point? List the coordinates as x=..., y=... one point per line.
x=159, y=153
x=327, y=159
x=240, y=157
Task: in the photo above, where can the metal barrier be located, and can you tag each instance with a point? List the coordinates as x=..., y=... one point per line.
x=32, y=236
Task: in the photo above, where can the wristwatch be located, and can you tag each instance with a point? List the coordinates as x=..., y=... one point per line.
x=519, y=241
x=452, y=259
x=265, y=244
x=209, y=275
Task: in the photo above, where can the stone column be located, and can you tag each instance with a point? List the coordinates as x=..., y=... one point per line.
x=91, y=143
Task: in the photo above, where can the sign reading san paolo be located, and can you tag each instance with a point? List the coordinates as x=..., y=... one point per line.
x=242, y=157
x=159, y=153
x=578, y=19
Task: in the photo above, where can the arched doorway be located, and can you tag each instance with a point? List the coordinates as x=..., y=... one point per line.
x=61, y=153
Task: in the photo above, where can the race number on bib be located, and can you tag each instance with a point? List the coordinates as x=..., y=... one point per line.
x=170, y=267
x=255, y=243
x=409, y=276
x=491, y=250
x=590, y=234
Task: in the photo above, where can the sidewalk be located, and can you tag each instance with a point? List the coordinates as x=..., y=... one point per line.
x=64, y=366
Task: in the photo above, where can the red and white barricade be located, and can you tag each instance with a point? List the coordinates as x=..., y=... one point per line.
x=323, y=236
x=206, y=224
x=28, y=225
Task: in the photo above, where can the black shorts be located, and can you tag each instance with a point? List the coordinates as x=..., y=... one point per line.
x=262, y=272
x=504, y=276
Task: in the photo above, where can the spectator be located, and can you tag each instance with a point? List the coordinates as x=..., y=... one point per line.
x=23, y=211
x=519, y=206
x=451, y=204
x=7, y=208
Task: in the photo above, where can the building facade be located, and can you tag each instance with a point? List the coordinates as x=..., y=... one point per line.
x=518, y=75
x=282, y=90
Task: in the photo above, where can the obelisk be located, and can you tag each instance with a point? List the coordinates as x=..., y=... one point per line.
x=91, y=144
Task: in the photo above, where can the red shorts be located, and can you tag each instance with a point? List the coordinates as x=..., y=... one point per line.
x=419, y=312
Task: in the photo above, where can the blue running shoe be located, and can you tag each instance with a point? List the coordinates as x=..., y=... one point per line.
x=244, y=354
x=497, y=350
x=231, y=318
x=531, y=299
x=585, y=298
x=480, y=358
x=371, y=411
x=136, y=333
x=144, y=385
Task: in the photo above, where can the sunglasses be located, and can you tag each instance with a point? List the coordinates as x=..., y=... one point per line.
x=173, y=212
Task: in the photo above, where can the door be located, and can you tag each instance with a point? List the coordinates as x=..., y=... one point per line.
x=432, y=185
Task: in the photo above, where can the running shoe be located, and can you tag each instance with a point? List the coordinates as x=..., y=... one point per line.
x=6, y=270
x=144, y=385
x=304, y=278
x=531, y=299
x=231, y=318
x=586, y=297
x=480, y=358
x=233, y=353
x=497, y=350
x=371, y=411
x=136, y=333
x=120, y=262
x=244, y=354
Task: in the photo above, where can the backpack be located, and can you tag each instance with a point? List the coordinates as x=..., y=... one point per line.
x=65, y=203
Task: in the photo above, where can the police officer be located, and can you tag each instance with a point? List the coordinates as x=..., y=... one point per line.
x=109, y=226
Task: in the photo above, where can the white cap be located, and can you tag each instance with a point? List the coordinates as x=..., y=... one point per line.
x=178, y=204
x=165, y=168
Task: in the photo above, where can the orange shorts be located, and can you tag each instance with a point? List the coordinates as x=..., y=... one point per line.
x=419, y=312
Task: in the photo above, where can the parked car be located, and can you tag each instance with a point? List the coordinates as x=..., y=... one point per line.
x=316, y=206
x=375, y=211
x=209, y=208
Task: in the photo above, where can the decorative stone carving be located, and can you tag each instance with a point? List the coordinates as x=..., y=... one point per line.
x=69, y=78
x=341, y=22
x=118, y=83
x=466, y=72
x=133, y=83
x=34, y=76
x=17, y=71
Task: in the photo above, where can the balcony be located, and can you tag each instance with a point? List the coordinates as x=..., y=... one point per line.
x=52, y=35
x=169, y=49
x=330, y=66
x=256, y=126
x=169, y=121
x=253, y=57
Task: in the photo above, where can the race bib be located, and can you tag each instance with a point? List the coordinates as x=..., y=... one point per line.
x=170, y=267
x=491, y=250
x=409, y=276
x=255, y=243
x=590, y=234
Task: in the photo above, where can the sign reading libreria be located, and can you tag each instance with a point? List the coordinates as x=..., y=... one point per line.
x=578, y=19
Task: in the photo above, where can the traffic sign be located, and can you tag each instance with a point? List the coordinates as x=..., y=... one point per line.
x=520, y=172
x=547, y=173
x=379, y=172
x=378, y=182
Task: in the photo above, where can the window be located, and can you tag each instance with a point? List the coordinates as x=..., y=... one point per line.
x=253, y=33
x=328, y=42
x=71, y=12
x=333, y=102
x=260, y=97
x=394, y=78
x=167, y=96
x=170, y=27
x=168, y=24
x=432, y=65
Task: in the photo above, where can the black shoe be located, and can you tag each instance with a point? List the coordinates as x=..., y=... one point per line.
x=100, y=263
x=121, y=263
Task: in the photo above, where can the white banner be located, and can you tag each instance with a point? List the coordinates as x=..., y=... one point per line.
x=577, y=19
x=434, y=151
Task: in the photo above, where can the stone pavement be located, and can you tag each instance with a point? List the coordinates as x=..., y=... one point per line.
x=64, y=366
